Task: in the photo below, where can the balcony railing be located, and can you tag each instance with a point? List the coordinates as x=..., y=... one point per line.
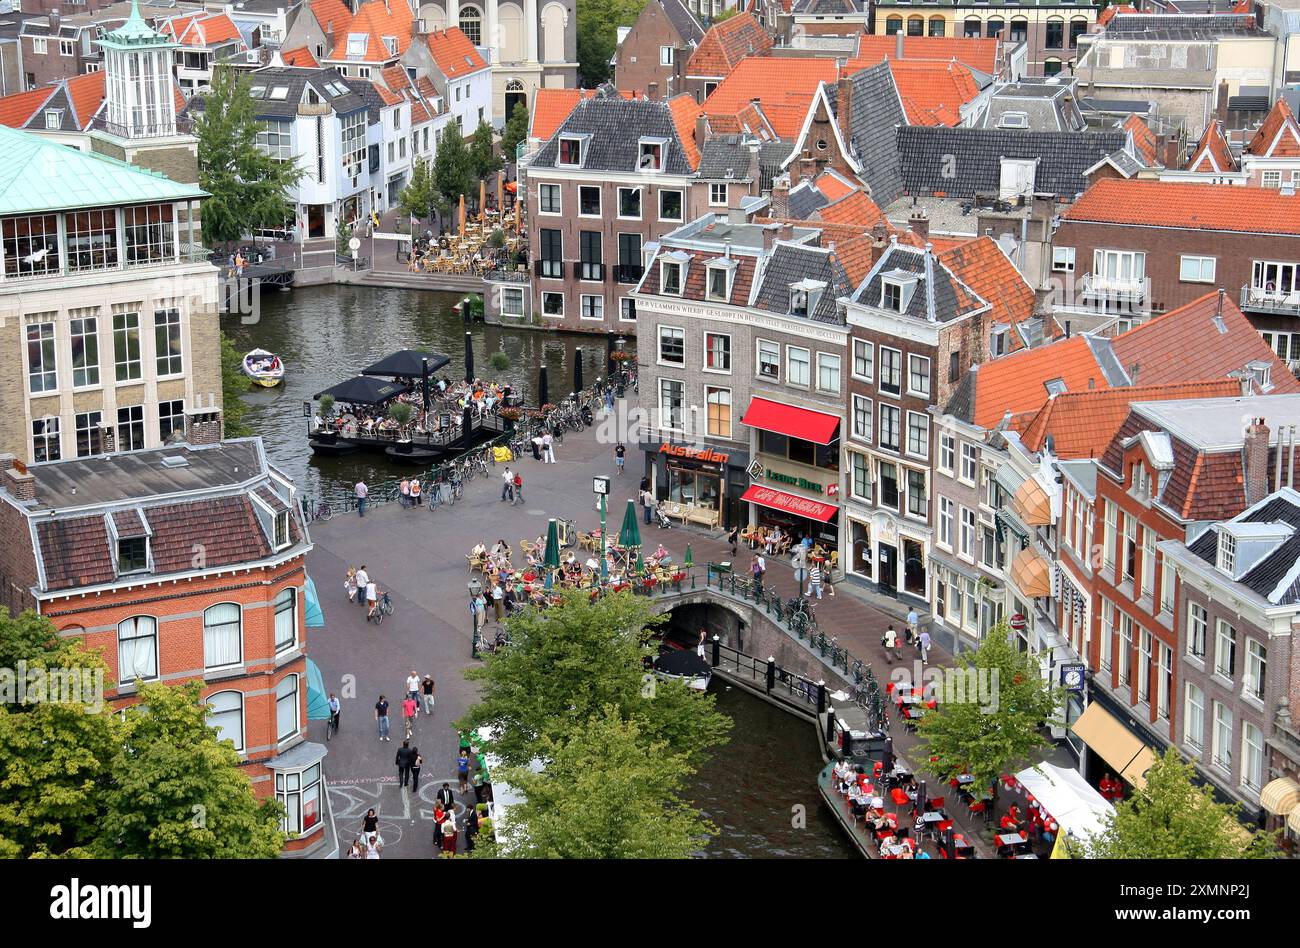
x=189, y=253
x=1256, y=299
x=552, y=269
x=506, y=276
x=628, y=272
x=182, y=125
x=1123, y=288
x=587, y=270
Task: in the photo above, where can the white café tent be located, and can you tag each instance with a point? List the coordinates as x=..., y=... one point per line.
x=1066, y=797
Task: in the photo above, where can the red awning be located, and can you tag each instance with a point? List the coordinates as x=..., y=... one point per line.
x=790, y=503
x=802, y=423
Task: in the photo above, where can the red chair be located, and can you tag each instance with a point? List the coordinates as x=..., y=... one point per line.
x=944, y=826
x=899, y=796
x=877, y=769
x=889, y=687
x=952, y=782
x=977, y=806
x=934, y=803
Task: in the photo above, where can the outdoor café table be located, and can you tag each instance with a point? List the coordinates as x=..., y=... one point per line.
x=877, y=803
x=909, y=699
x=934, y=816
x=1010, y=839
x=893, y=851
x=1026, y=856
x=965, y=779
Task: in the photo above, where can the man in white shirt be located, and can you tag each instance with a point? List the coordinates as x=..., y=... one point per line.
x=548, y=448
x=372, y=598
x=363, y=492
x=507, y=485
x=363, y=581
x=413, y=688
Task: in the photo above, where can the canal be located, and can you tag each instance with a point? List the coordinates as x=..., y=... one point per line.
x=751, y=786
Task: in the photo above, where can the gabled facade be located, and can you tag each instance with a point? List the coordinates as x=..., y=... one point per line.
x=202, y=41
x=652, y=57
x=1271, y=159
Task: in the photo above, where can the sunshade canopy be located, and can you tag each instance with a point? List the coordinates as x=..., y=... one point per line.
x=790, y=420
x=407, y=364
x=1115, y=744
x=630, y=535
x=1067, y=798
x=318, y=699
x=365, y=390
x=315, y=616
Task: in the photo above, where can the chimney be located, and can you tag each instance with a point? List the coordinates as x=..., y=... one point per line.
x=781, y=196
x=55, y=20
x=898, y=45
x=17, y=481
x=203, y=426
x=1277, y=459
x=844, y=106
x=652, y=91
x=1067, y=329
x=1221, y=104
x=769, y=235
x=701, y=130
x=755, y=168
x=1255, y=448
x=1290, y=464
x=919, y=224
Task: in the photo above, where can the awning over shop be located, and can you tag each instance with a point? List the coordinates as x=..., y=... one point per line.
x=1008, y=479
x=1293, y=821
x=1115, y=744
x=816, y=426
x=1030, y=573
x=1032, y=505
x=318, y=699
x=1005, y=523
x=1281, y=796
x=315, y=617
x=1067, y=798
x=790, y=503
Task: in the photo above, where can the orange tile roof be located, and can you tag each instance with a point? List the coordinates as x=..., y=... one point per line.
x=726, y=44
x=1108, y=14
x=1017, y=382
x=855, y=256
x=983, y=266
x=84, y=92
x=854, y=208
x=750, y=120
x=685, y=110
x=981, y=54
x=1144, y=140
x=18, y=108
x=933, y=93
x=332, y=14
x=833, y=185
x=301, y=56
x=1278, y=136
x=454, y=53
x=784, y=86
x=395, y=78
x=1188, y=206
x=1184, y=344
x=385, y=96
x=1082, y=424
x=202, y=29
x=378, y=19
x=1212, y=152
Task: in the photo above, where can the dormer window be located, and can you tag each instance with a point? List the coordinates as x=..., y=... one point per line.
x=719, y=288
x=651, y=154
x=357, y=43
x=53, y=118
x=1055, y=386
x=390, y=43
x=1013, y=120
x=281, y=530
x=804, y=296
x=896, y=289
x=798, y=301
x=1262, y=373
x=571, y=152
x=132, y=555
x=1141, y=481
x=670, y=278
x=1227, y=559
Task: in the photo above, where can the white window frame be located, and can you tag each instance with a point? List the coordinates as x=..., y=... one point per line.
x=133, y=625
x=552, y=294
x=858, y=405
x=600, y=202
x=224, y=732
x=1062, y=259
x=970, y=458
x=1252, y=757
x=716, y=187
x=282, y=733
x=710, y=390
x=661, y=419
x=912, y=362
x=505, y=294
x=947, y=523
x=868, y=348
x=681, y=278
x=807, y=367
x=947, y=453
x=881, y=373
x=1221, y=742
x=281, y=644
x=897, y=428
x=1193, y=717
x=1225, y=649
x=1255, y=671
x=827, y=357
x=681, y=196
x=709, y=273
x=708, y=351
x=584, y=299
x=575, y=140
x=558, y=193
x=640, y=200
x=659, y=346
x=924, y=418
x=775, y=351
x=1192, y=268
x=966, y=534
x=223, y=628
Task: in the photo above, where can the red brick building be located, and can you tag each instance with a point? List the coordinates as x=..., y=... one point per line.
x=182, y=563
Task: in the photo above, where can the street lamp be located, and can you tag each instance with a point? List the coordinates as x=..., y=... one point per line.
x=600, y=485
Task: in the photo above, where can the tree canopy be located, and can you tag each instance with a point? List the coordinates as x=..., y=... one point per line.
x=598, y=23
x=249, y=188
x=452, y=172
x=1175, y=818
x=516, y=130
x=233, y=384
x=483, y=159
x=416, y=199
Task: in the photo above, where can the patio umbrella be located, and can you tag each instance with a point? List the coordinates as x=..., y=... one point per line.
x=551, y=561
x=543, y=392
x=638, y=567
x=629, y=536
x=577, y=370
x=689, y=559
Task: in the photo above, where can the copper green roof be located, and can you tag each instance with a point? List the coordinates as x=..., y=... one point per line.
x=134, y=33
x=38, y=174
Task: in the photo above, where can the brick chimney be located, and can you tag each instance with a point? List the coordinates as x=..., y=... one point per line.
x=919, y=224
x=1255, y=449
x=55, y=20
x=1221, y=104
x=17, y=481
x=203, y=426
x=781, y=196
x=652, y=91
x=844, y=107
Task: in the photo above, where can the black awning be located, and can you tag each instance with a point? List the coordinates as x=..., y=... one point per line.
x=406, y=364
x=365, y=390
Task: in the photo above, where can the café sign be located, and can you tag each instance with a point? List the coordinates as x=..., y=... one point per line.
x=791, y=480
x=682, y=451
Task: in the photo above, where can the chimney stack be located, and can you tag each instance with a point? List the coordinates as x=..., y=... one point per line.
x=652, y=91
x=1255, y=447
x=17, y=481
x=203, y=426
x=55, y=20
x=919, y=224
x=898, y=45
x=1221, y=104
x=781, y=196
x=1277, y=459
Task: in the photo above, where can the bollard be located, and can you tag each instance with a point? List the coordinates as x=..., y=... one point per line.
x=771, y=673
x=821, y=697
x=717, y=650
x=830, y=725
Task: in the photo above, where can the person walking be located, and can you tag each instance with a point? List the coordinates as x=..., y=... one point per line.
x=363, y=495
x=548, y=448
x=699, y=648
x=405, y=498
x=620, y=456
x=647, y=502
x=733, y=536
x=758, y=567
x=445, y=798
x=426, y=687
x=381, y=715
x=815, y=581
x=416, y=763
x=335, y=708
x=912, y=620
x=417, y=497
x=924, y=639
x=508, y=485
x=478, y=612
x=410, y=708
x=413, y=686
x=370, y=824
x=372, y=600
x=462, y=770
x=403, y=761
x=519, y=489
x=890, y=641
x=350, y=584
x=363, y=580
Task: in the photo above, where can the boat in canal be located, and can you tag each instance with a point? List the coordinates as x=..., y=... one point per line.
x=264, y=368
x=684, y=665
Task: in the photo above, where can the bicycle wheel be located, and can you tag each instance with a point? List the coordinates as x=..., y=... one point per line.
x=325, y=512
x=386, y=609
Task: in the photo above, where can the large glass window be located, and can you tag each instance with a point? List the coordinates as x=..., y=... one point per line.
x=1256, y=669
x=1055, y=33
x=92, y=240
x=828, y=372
x=548, y=198
x=222, y=635
x=888, y=485
x=670, y=205
x=286, y=708
x=275, y=139
x=917, y=502
x=126, y=346
x=918, y=434
x=137, y=649
x=672, y=345
x=226, y=714
x=672, y=396
x=286, y=619
x=1221, y=745
x=31, y=245
x=864, y=357
x=85, y=351
x=1252, y=757
x=889, y=427
x=471, y=24
x=590, y=255
x=354, y=142
x=42, y=374
x=862, y=420
x=1194, y=718
x=891, y=371
x=796, y=365
x=167, y=341
x=130, y=428
x=918, y=375
x=45, y=439
x=589, y=200
x=171, y=418
x=717, y=352
x=1225, y=649
x=89, y=441
x=629, y=203
x=300, y=793
x=719, y=408
x=150, y=231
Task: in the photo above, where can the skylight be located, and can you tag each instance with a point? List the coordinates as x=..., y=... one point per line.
x=357, y=43
x=279, y=93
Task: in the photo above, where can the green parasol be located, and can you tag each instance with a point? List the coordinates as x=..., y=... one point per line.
x=551, y=562
x=689, y=560
x=638, y=567
x=630, y=536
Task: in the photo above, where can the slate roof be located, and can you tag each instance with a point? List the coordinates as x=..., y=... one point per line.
x=296, y=81
x=1174, y=27
x=686, y=24
x=804, y=199
x=938, y=296
x=1047, y=106
x=724, y=158
x=875, y=113
x=789, y=263
x=1188, y=206
x=973, y=158
x=616, y=127
x=1274, y=575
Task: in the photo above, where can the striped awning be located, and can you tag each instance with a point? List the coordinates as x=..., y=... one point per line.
x=1281, y=796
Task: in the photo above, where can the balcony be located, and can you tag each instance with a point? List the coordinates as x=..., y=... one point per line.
x=507, y=276
x=628, y=272
x=1256, y=299
x=1129, y=289
x=550, y=269
x=587, y=270
x=182, y=125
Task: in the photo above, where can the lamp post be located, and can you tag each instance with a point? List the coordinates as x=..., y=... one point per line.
x=600, y=485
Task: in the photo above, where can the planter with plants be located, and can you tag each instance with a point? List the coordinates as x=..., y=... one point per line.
x=402, y=413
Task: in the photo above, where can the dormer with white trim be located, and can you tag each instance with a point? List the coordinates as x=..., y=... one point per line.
x=1242, y=544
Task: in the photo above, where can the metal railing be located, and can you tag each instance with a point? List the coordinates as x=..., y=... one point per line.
x=506, y=276
x=182, y=125
x=1257, y=300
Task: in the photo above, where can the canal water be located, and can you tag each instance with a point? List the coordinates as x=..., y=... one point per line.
x=750, y=787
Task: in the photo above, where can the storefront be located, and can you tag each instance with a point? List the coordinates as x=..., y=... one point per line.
x=702, y=485
x=795, y=477
x=892, y=553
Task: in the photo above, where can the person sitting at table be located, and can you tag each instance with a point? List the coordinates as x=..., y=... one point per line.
x=501, y=548
x=479, y=549
x=660, y=553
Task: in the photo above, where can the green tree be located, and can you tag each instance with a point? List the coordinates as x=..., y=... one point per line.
x=249, y=189
x=598, y=23
x=233, y=384
x=1174, y=818
x=416, y=199
x=342, y=234
x=997, y=720
x=516, y=130
x=452, y=175
x=178, y=793
x=568, y=663
x=483, y=160
x=725, y=15
x=605, y=793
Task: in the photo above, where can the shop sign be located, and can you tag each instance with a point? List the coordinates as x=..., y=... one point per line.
x=681, y=451
x=756, y=470
x=791, y=480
